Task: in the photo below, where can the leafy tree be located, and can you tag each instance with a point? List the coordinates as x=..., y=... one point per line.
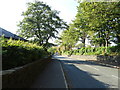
x=40, y=23
x=98, y=22
x=68, y=39
x=103, y=18
x=81, y=26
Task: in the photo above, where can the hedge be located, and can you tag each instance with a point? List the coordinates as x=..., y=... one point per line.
x=17, y=53
x=114, y=50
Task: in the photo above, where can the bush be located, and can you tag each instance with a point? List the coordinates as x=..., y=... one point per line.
x=114, y=50
x=17, y=53
x=52, y=50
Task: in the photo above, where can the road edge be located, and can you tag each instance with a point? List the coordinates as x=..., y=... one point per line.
x=100, y=63
x=69, y=84
x=63, y=75
x=104, y=64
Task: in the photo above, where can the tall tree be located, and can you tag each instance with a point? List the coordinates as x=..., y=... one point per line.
x=103, y=18
x=69, y=38
x=81, y=27
x=40, y=23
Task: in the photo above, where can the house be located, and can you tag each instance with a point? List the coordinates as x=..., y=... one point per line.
x=8, y=35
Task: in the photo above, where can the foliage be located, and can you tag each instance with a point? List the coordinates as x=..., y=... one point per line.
x=16, y=53
x=103, y=19
x=52, y=50
x=81, y=27
x=69, y=39
x=114, y=50
x=98, y=22
x=40, y=23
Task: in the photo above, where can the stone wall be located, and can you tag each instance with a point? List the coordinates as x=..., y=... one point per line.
x=111, y=58
x=23, y=77
x=114, y=60
x=84, y=57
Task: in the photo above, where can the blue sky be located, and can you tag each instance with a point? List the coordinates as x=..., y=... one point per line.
x=10, y=11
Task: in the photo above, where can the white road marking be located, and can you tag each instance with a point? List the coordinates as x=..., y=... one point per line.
x=96, y=69
x=115, y=76
x=92, y=67
x=88, y=66
x=81, y=68
x=69, y=63
x=64, y=76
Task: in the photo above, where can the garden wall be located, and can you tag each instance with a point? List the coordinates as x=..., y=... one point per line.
x=85, y=57
x=114, y=60
x=24, y=76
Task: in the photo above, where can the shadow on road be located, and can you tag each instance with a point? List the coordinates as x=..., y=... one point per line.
x=81, y=79
x=82, y=62
x=59, y=57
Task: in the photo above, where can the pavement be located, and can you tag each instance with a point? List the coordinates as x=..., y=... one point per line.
x=86, y=74
x=51, y=77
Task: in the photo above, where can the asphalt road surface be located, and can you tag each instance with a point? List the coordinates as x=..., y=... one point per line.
x=85, y=74
x=51, y=77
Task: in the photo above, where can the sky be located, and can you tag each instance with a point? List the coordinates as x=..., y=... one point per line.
x=11, y=10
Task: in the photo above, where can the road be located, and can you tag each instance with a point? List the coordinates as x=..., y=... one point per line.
x=51, y=77
x=85, y=74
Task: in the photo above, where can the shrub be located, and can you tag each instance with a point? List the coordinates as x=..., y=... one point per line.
x=114, y=50
x=16, y=53
x=52, y=50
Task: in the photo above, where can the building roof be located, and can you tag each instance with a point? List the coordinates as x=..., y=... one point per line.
x=8, y=34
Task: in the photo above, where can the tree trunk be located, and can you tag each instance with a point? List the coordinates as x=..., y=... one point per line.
x=83, y=42
x=106, y=43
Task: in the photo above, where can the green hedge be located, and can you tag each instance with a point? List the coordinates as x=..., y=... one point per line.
x=114, y=50
x=52, y=50
x=17, y=53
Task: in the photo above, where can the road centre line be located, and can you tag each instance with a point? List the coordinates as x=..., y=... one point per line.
x=92, y=67
x=115, y=76
x=81, y=68
x=98, y=69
